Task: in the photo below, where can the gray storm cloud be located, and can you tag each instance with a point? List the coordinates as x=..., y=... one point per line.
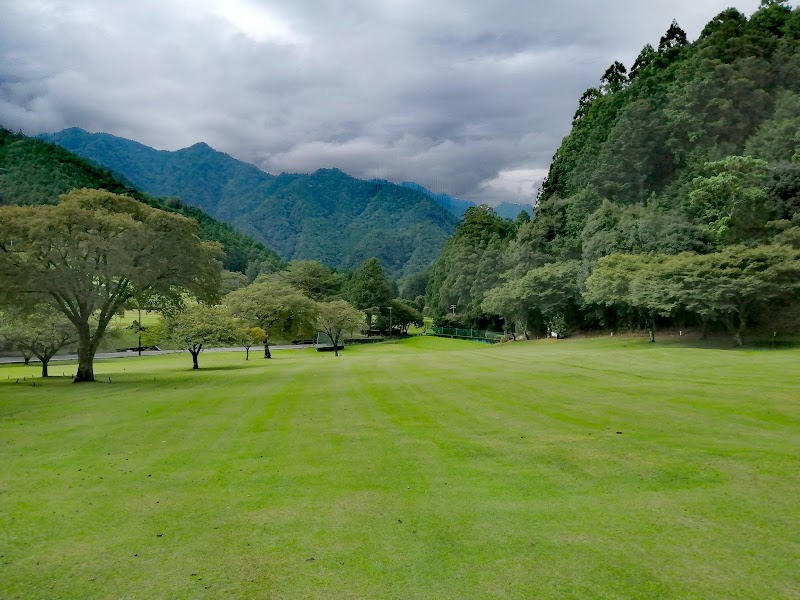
x=467, y=98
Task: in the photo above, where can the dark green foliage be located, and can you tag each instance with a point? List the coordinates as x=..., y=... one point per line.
x=369, y=288
x=471, y=264
x=735, y=91
x=644, y=60
x=326, y=216
x=675, y=38
x=36, y=172
x=615, y=78
x=674, y=199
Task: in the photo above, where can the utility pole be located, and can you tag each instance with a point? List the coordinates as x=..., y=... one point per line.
x=140, y=328
x=453, y=308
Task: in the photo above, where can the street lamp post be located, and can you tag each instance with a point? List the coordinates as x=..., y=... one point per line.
x=140, y=328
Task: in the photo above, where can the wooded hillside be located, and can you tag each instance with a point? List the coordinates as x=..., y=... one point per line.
x=693, y=150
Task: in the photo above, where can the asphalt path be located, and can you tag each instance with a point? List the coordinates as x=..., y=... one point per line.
x=133, y=354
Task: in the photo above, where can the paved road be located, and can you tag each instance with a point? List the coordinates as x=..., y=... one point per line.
x=254, y=350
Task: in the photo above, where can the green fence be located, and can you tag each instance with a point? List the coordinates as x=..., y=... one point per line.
x=469, y=334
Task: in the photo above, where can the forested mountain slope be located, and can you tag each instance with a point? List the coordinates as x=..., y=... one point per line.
x=327, y=215
x=693, y=152
x=457, y=206
x=33, y=171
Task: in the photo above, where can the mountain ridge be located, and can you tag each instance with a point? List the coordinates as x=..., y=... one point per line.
x=34, y=171
x=327, y=215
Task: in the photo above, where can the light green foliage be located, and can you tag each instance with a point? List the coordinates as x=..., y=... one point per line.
x=737, y=282
x=426, y=469
x=279, y=309
x=638, y=284
x=40, y=332
x=232, y=281
x=732, y=199
x=93, y=252
x=728, y=286
x=338, y=318
x=198, y=326
x=548, y=293
x=552, y=289
x=507, y=301
x=249, y=336
x=634, y=229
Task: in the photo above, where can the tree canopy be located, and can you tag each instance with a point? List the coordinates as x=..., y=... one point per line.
x=94, y=251
x=198, y=326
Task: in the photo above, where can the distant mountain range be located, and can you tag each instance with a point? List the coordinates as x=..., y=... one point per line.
x=36, y=172
x=327, y=215
x=457, y=206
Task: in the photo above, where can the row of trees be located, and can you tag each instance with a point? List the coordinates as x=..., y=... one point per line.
x=728, y=287
x=252, y=318
x=67, y=269
x=95, y=252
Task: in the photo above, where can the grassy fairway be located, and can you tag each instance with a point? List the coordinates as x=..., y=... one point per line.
x=423, y=469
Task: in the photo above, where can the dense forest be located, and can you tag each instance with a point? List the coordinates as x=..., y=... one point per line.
x=327, y=215
x=674, y=200
x=37, y=172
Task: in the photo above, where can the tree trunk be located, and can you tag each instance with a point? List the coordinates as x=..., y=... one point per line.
x=335, y=345
x=85, y=370
x=45, y=362
x=27, y=359
x=738, y=335
x=651, y=329
x=267, y=353
x=194, y=357
x=247, y=352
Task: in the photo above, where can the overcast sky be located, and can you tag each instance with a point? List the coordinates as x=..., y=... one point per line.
x=467, y=97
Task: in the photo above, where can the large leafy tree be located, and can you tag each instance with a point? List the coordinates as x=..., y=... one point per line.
x=403, y=314
x=636, y=284
x=199, y=326
x=370, y=289
x=338, y=318
x=40, y=333
x=280, y=310
x=94, y=251
x=734, y=284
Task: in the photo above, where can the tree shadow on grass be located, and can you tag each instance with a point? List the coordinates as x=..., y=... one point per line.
x=222, y=368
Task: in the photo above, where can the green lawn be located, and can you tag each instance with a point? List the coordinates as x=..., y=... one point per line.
x=422, y=469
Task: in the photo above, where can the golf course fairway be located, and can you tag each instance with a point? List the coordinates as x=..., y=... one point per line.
x=427, y=468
